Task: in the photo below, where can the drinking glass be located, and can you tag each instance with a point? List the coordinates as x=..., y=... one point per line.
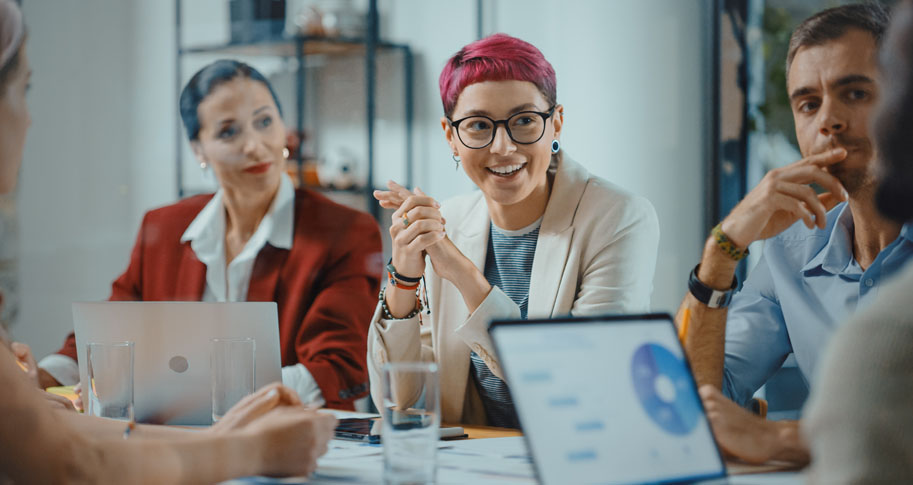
x=411, y=422
x=110, y=372
x=232, y=373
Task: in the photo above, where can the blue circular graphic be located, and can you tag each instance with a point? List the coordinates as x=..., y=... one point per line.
x=664, y=388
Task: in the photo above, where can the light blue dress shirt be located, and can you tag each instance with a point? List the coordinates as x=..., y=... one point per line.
x=805, y=285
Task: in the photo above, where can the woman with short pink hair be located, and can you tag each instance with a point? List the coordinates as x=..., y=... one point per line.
x=541, y=238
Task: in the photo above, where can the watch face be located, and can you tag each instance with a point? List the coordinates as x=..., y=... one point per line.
x=719, y=299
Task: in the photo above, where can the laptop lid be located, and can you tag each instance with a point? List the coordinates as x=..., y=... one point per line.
x=607, y=399
x=171, y=378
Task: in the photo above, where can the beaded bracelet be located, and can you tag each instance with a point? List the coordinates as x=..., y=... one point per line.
x=726, y=245
x=386, y=310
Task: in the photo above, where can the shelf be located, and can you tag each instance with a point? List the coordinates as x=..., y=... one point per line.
x=329, y=46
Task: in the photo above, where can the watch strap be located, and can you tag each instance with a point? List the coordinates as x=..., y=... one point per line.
x=707, y=295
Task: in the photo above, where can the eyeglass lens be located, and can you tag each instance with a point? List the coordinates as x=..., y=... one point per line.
x=479, y=131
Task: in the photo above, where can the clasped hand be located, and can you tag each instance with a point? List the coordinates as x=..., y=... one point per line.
x=417, y=229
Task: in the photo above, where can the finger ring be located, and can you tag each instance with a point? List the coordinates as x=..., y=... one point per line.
x=405, y=221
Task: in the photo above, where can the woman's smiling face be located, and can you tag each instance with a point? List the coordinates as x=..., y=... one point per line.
x=507, y=172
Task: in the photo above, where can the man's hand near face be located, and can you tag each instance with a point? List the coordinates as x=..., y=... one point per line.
x=785, y=196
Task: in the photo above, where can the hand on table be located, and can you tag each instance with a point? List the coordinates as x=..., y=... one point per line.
x=59, y=402
x=784, y=196
x=78, y=390
x=292, y=438
x=739, y=433
x=254, y=406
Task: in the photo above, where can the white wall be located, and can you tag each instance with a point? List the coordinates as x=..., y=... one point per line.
x=631, y=76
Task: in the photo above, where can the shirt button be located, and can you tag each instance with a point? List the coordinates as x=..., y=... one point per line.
x=869, y=282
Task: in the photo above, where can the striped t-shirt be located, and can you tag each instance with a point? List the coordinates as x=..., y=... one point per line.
x=508, y=266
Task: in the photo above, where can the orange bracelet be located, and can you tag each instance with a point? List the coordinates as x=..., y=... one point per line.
x=399, y=285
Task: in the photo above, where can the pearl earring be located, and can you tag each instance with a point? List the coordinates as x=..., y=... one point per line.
x=285, y=153
x=202, y=165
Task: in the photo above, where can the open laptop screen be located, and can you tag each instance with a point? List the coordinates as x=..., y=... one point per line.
x=607, y=400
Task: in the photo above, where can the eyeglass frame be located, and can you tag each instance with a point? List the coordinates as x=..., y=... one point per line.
x=544, y=114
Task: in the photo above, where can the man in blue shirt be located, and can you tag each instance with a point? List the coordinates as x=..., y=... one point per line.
x=826, y=255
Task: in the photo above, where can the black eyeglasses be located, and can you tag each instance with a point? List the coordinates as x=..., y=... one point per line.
x=525, y=128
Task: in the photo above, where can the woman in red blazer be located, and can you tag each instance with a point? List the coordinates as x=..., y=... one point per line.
x=258, y=239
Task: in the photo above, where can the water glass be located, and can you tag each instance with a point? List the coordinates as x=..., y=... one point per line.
x=110, y=372
x=232, y=373
x=411, y=422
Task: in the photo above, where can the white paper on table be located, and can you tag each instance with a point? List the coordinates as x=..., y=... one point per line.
x=487, y=460
x=347, y=414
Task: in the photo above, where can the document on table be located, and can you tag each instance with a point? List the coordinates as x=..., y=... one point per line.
x=480, y=462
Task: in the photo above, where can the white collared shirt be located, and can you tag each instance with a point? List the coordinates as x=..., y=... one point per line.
x=206, y=234
x=207, y=239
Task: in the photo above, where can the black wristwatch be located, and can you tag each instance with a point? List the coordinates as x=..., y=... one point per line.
x=707, y=295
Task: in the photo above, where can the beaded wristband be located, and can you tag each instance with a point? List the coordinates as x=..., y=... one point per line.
x=734, y=252
x=386, y=310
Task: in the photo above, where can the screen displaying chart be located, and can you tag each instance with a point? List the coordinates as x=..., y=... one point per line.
x=607, y=401
x=663, y=385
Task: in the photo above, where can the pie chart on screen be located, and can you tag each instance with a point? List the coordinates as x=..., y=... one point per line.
x=664, y=388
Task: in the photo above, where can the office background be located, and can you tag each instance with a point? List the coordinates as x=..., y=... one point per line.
x=634, y=78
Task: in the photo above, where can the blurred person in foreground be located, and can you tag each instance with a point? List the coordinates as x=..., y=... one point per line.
x=267, y=433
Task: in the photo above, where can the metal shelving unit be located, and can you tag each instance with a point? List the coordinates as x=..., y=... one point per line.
x=300, y=47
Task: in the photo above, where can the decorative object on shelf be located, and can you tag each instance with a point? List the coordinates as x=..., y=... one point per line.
x=342, y=19
x=256, y=20
x=303, y=18
x=324, y=18
x=339, y=170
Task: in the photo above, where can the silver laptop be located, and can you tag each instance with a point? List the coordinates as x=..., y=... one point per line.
x=171, y=378
x=607, y=400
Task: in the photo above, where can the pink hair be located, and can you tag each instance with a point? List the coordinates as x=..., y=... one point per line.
x=498, y=57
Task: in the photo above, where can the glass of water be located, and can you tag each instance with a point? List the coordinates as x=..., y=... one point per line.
x=110, y=372
x=411, y=422
x=232, y=373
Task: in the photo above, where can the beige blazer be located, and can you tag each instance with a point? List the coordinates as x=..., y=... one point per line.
x=596, y=253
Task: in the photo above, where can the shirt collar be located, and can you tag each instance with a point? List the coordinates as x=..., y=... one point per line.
x=837, y=254
x=906, y=232
x=208, y=227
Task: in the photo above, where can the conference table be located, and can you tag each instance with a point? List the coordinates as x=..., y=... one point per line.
x=487, y=456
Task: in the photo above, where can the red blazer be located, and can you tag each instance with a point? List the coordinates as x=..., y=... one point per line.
x=325, y=287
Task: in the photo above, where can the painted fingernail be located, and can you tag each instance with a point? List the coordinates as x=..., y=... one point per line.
x=272, y=393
